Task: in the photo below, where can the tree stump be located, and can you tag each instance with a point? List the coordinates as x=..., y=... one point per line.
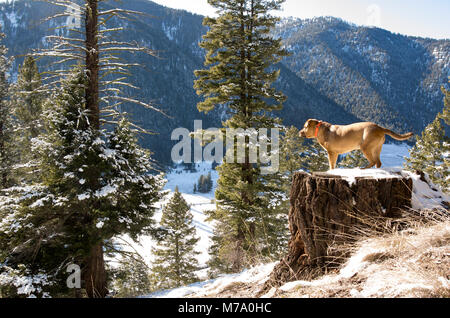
x=327, y=210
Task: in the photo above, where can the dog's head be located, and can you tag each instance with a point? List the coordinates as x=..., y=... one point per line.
x=309, y=128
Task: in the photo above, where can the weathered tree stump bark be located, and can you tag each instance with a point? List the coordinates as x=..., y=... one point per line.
x=327, y=210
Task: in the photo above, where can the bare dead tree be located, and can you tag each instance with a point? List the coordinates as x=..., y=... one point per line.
x=91, y=47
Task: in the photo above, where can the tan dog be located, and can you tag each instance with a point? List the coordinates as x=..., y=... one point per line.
x=337, y=139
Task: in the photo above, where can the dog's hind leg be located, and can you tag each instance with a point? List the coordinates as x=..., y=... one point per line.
x=376, y=155
x=369, y=157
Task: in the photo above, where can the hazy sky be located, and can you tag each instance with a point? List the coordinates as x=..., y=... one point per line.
x=426, y=18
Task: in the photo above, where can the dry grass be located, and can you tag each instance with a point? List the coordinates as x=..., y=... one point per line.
x=403, y=258
x=388, y=262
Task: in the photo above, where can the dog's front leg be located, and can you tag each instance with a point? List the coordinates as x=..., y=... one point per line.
x=332, y=158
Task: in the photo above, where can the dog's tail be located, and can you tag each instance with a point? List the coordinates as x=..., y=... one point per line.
x=398, y=136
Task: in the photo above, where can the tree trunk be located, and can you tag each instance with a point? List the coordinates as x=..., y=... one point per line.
x=3, y=173
x=94, y=275
x=326, y=211
x=92, y=62
x=238, y=254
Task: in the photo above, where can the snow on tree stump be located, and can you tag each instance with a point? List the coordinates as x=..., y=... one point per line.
x=328, y=209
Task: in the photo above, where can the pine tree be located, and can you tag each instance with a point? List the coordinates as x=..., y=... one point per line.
x=27, y=98
x=132, y=277
x=175, y=261
x=201, y=184
x=240, y=55
x=8, y=154
x=221, y=251
x=354, y=159
x=94, y=185
x=430, y=154
x=317, y=158
x=209, y=183
x=204, y=184
x=291, y=151
x=292, y=158
x=446, y=112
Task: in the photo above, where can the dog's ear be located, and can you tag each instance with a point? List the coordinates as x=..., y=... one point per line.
x=311, y=123
x=308, y=122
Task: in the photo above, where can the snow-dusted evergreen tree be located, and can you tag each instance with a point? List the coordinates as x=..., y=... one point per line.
x=132, y=277
x=291, y=151
x=201, y=185
x=93, y=185
x=209, y=182
x=204, y=184
x=8, y=152
x=317, y=158
x=431, y=153
x=175, y=261
x=446, y=112
x=222, y=253
x=240, y=55
x=354, y=159
x=27, y=98
x=292, y=158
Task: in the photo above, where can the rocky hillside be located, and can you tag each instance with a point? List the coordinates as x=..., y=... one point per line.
x=337, y=72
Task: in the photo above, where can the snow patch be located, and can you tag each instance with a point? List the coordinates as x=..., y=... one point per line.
x=83, y=196
x=13, y=18
x=425, y=195
x=255, y=275
x=106, y=190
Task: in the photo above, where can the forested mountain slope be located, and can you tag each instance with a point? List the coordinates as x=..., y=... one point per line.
x=374, y=74
x=337, y=72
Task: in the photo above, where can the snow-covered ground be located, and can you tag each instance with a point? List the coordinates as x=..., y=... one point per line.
x=185, y=180
x=412, y=263
x=256, y=275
